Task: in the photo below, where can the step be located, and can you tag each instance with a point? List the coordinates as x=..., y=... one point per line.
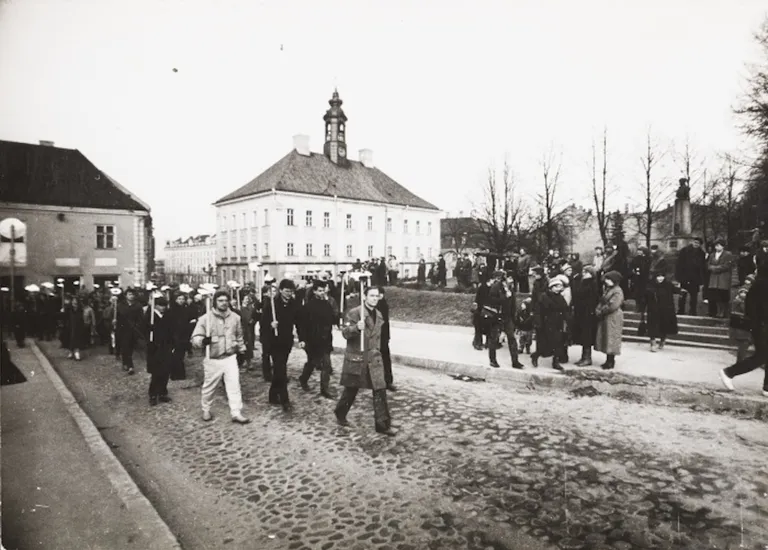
x=687, y=320
x=698, y=329
x=691, y=337
x=681, y=343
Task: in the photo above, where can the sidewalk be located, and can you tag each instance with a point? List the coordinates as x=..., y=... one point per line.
x=61, y=489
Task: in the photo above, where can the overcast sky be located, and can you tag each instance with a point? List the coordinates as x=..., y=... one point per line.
x=439, y=90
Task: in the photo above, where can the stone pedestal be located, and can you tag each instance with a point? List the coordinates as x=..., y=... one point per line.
x=682, y=225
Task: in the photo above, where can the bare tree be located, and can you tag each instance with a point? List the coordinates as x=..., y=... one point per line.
x=655, y=190
x=458, y=231
x=499, y=214
x=550, y=169
x=600, y=191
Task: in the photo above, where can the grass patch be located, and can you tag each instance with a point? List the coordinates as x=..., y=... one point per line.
x=423, y=306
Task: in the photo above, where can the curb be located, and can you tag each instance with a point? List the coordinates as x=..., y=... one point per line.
x=126, y=489
x=615, y=384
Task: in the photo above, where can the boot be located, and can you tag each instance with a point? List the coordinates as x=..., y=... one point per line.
x=492, y=357
x=653, y=345
x=586, y=357
x=556, y=363
x=610, y=363
x=661, y=343
x=535, y=359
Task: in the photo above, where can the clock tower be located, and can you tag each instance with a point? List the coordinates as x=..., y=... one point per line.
x=335, y=132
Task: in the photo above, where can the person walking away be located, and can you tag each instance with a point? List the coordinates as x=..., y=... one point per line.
x=106, y=321
x=130, y=317
x=316, y=331
x=286, y=317
x=756, y=311
x=508, y=314
x=161, y=345
x=524, y=324
x=586, y=295
x=662, y=320
x=690, y=271
x=363, y=367
x=745, y=265
x=610, y=319
x=225, y=341
x=720, y=265
x=523, y=269
x=739, y=327
x=386, y=356
x=552, y=319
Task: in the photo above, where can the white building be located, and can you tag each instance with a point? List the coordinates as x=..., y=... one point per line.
x=191, y=260
x=312, y=211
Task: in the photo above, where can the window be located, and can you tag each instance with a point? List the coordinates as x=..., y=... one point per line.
x=223, y=223
x=234, y=222
x=245, y=222
x=234, y=251
x=255, y=249
x=289, y=216
x=389, y=225
x=349, y=251
x=405, y=252
x=255, y=218
x=370, y=223
x=308, y=218
x=245, y=250
x=244, y=276
x=370, y=251
x=418, y=252
x=429, y=228
x=418, y=227
x=105, y=236
x=326, y=219
x=429, y=253
x=266, y=249
x=309, y=249
x=673, y=244
x=266, y=216
x=326, y=250
x=349, y=221
x=405, y=226
x=389, y=251
x=289, y=249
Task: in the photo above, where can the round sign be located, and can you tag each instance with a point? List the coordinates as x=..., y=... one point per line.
x=20, y=228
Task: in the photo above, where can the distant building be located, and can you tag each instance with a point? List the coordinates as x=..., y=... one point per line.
x=459, y=235
x=82, y=225
x=191, y=260
x=312, y=211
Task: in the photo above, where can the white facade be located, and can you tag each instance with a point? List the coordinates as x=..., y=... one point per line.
x=300, y=234
x=188, y=260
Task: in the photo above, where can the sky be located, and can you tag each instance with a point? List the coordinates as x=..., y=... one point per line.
x=441, y=91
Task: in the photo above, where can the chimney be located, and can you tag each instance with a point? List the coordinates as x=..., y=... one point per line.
x=366, y=158
x=46, y=143
x=301, y=144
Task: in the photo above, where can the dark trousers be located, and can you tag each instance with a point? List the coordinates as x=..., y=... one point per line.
x=511, y=343
x=386, y=358
x=759, y=359
x=522, y=284
x=19, y=334
x=158, y=384
x=381, y=416
x=178, y=369
x=266, y=361
x=127, y=343
x=250, y=342
x=693, y=292
x=477, y=322
x=321, y=362
x=718, y=302
x=278, y=391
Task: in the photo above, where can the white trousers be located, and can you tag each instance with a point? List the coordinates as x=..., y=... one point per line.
x=215, y=370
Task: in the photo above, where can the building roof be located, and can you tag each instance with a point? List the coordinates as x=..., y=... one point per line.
x=53, y=176
x=317, y=175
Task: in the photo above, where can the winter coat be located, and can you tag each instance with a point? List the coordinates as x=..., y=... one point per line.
x=163, y=342
x=720, y=270
x=524, y=319
x=554, y=316
x=586, y=296
x=738, y=311
x=226, y=333
x=523, y=265
x=363, y=369
x=288, y=315
x=130, y=319
x=611, y=263
x=745, y=266
x=661, y=317
x=316, y=327
x=539, y=288
x=421, y=273
x=659, y=263
x=610, y=321
x=75, y=331
x=383, y=307
x=691, y=267
x=182, y=323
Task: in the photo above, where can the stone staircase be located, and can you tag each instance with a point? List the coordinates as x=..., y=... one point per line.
x=698, y=332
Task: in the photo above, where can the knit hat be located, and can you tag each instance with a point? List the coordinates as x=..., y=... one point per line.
x=614, y=276
x=287, y=283
x=555, y=281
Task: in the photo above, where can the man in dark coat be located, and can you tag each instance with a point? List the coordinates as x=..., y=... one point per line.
x=266, y=333
x=576, y=264
x=523, y=267
x=662, y=321
x=553, y=318
x=508, y=316
x=481, y=297
x=287, y=316
x=442, y=271
x=386, y=356
x=586, y=295
x=690, y=271
x=316, y=331
x=745, y=265
x=182, y=323
x=160, y=347
x=491, y=315
x=130, y=317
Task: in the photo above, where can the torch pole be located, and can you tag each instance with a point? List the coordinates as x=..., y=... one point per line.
x=208, y=325
x=274, y=315
x=362, y=314
x=341, y=307
x=151, y=315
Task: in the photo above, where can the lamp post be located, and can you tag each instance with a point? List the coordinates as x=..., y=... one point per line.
x=12, y=228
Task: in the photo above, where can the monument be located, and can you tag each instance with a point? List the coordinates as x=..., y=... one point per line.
x=682, y=214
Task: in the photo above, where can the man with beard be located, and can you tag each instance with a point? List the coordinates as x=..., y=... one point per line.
x=130, y=316
x=281, y=322
x=316, y=331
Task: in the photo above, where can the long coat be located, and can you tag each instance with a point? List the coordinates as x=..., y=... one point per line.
x=363, y=370
x=554, y=317
x=75, y=330
x=610, y=321
x=720, y=270
x=662, y=319
x=316, y=327
x=585, y=299
x=160, y=348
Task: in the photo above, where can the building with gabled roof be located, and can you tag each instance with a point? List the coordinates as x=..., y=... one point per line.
x=322, y=211
x=82, y=225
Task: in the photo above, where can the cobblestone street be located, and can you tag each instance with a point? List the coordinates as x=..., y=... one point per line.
x=473, y=466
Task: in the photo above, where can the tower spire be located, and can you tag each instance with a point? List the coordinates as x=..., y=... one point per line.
x=335, y=131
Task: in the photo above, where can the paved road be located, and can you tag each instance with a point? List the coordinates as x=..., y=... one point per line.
x=475, y=466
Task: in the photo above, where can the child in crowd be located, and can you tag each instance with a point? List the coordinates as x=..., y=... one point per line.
x=524, y=326
x=739, y=329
